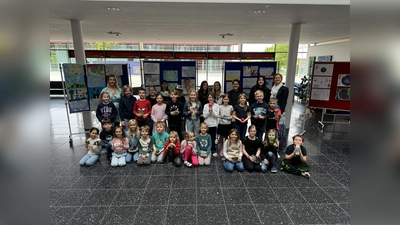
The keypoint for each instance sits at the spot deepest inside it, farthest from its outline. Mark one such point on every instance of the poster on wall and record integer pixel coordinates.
(325, 58)
(250, 71)
(95, 70)
(323, 69)
(171, 86)
(94, 97)
(343, 80)
(320, 94)
(114, 69)
(74, 81)
(188, 71)
(78, 106)
(267, 71)
(268, 83)
(152, 80)
(151, 68)
(76, 90)
(73, 69)
(228, 87)
(232, 75)
(322, 82)
(343, 94)
(170, 75)
(249, 82)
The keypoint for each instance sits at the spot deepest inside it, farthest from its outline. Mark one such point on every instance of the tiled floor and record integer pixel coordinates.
(163, 194)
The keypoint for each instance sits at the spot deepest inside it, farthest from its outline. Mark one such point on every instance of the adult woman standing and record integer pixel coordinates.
(115, 93)
(218, 92)
(260, 85)
(281, 93)
(202, 95)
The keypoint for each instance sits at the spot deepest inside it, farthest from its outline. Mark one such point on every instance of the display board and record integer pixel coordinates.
(247, 73)
(154, 72)
(85, 82)
(330, 86)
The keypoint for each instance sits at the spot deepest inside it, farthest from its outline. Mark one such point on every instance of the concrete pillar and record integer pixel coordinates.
(291, 67)
(77, 38)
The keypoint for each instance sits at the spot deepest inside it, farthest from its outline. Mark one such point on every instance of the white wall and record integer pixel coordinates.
(339, 51)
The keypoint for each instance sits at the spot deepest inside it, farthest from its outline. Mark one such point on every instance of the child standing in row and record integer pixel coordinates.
(225, 112)
(211, 118)
(252, 150)
(189, 150)
(158, 111)
(160, 138)
(146, 146)
(120, 144)
(172, 149)
(259, 113)
(273, 115)
(142, 109)
(192, 111)
(203, 143)
(126, 104)
(174, 110)
(232, 151)
(106, 136)
(269, 151)
(93, 145)
(241, 113)
(152, 97)
(296, 157)
(133, 135)
(106, 109)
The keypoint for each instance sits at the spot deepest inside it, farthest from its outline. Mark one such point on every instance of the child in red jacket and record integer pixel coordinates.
(142, 109)
(172, 149)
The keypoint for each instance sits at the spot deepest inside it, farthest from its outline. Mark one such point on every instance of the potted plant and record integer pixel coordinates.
(303, 88)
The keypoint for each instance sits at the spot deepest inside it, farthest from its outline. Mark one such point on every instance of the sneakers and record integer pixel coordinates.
(217, 140)
(306, 174)
(187, 164)
(215, 154)
(278, 155)
(274, 170)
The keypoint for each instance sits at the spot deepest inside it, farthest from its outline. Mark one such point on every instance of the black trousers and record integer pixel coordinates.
(250, 166)
(294, 169)
(178, 129)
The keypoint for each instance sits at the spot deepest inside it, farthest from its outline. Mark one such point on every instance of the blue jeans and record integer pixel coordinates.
(106, 148)
(89, 160)
(229, 165)
(260, 131)
(242, 129)
(130, 156)
(193, 125)
(271, 159)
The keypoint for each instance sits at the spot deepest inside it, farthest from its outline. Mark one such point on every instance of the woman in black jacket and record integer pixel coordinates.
(260, 85)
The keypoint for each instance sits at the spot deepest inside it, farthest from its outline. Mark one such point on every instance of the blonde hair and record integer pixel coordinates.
(229, 140)
(160, 123)
(116, 81)
(145, 128)
(217, 93)
(204, 124)
(190, 92)
(259, 92)
(173, 134)
(245, 97)
(276, 141)
(136, 132)
(273, 99)
(189, 134)
(126, 87)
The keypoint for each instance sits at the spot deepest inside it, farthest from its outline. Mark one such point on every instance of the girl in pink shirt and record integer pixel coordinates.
(158, 111)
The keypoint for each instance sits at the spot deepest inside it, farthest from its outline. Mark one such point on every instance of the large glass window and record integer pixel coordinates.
(158, 47)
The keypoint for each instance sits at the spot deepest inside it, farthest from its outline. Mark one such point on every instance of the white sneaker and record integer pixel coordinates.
(216, 140)
(306, 174)
(278, 155)
(215, 154)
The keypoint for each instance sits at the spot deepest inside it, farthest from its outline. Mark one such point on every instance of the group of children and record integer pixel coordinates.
(140, 143)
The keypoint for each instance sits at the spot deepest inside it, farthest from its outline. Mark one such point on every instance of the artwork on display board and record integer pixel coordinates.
(188, 71)
(325, 58)
(323, 69)
(192, 83)
(152, 80)
(94, 92)
(73, 69)
(96, 81)
(268, 83)
(321, 82)
(250, 71)
(247, 92)
(136, 70)
(95, 70)
(170, 75)
(77, 94)
(232, 75)
(343, 80)
(171, 86)
(267, 71)
(249, 82)
(151, 68)
(114, 69)
(343, 94)
(94, 103)
(78, 106)
(228, 87)
(320, 94)
(74, 81)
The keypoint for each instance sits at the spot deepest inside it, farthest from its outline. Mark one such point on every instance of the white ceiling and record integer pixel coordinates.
(167, 22)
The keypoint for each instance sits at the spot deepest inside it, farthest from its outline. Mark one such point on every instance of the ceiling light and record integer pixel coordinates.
(267, 6)
(259, 11)
(113, 9)
(145, 30)
(54, 28)
(234, 31)
(319, 32)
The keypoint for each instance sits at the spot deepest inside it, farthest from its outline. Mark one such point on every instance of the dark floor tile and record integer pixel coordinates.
(321, 159)
(151, 215)
(325, 181)
(342, 179)
(346, 208)
(184, 182)
(62, 215)
(55, 195)
(64, 182)
(181, 215)
(289, 195)
(128, 197)
(100, 198)
(302, 182)
(315, 195)
(183, 170)
(75, 170)
(255, 180)
(242, 215)
(89, 215)
(262, 196)
(231, 180)
(182, 196)
(85, 182)
(278, 181)
(162, 170)
(155, 196)
(97, 171)
(141, 170)
(160, 182)
(333, 169)
(206, 215)
(206, 170)
(120, 215)
(136, 182)
(118, 171)
(209, 196)
(112, 182)
(339, 195)
(317, 169)
(302, 214)
(208, 181)
(272, 214)
(236, 196)
(73, 198)
(331, 213)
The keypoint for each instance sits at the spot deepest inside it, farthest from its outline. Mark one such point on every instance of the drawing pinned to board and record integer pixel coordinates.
(78, 106)
(192, 83)
(94, 103)
(247, 92)
(151, 68)
(114, 69)
(228, 87)
(343, 94)
(323, 69)
(94, 92)
(73, 69)
(171, 86)
(77, 94)
(170, 75)
(233, 74)
(343, 80)
(322, 82)
(249, 82)
(152, 80)
(267, 71)
(96, 81)
(74, 81)
(268, 83)
(250, 71)
(188, 71)
(95, 70)
(320, 94)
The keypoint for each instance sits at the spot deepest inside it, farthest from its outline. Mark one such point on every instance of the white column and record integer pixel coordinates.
(291, 67)
(77, 38)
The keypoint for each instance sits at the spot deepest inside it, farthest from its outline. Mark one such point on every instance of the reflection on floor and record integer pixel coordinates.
(163, 194)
